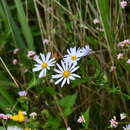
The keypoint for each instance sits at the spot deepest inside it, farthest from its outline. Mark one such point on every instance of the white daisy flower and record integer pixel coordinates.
(127, 127)
(86, 50)
(44, 64)
(13, 128)
(65, 73)
(73, 55)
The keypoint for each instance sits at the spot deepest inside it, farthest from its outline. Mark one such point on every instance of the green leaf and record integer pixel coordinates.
(24, 24)
(15, 30)
(86, 116)
(104, 11)
(68, 111)
(68, 101)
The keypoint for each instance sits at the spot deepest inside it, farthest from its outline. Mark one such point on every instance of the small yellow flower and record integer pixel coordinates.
(15, 117)
(19, 117)
(27, 129)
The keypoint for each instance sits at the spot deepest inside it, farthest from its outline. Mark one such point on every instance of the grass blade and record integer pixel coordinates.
(24, 25)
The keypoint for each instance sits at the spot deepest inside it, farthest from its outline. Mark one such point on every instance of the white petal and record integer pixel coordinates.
(75, 75)
(73, 70)
(58, 71)
(52, 60)
(36, 69)
(37, 65)
(37, 60)
(43, 57)
(71, 77)
(68, 81)
(60, 67)
(63, 65)
(56, 76)
(58, 81)
(48, 56)
(63, 82)
(42, 73)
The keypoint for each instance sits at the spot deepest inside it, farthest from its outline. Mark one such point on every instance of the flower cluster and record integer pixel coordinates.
(4, 116)
(123, 4)
(20, 117)
(123, 43)
(114, 123)
(65, 70)
(81, 119)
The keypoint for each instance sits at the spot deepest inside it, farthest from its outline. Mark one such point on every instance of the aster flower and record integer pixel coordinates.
(22, 93)
(96, 21)
(127, 127)
(15, 61)
(100, 29)
(45, 41)
(31, 54)
(3, 116)
(119, 56)
(123, 4)
(123, 43)
(44, 64)
(65, 73)
(68, 128)
(81, 119)
(123, 116)
(73, 55)
(33, 115)
(14, 128)
(128, 61)
(86, 50)
(15, 51)
(113, 122)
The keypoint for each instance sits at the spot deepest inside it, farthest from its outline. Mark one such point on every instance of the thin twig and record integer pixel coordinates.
(9, 72)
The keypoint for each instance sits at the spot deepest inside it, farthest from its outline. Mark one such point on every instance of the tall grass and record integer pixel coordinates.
(100, 93)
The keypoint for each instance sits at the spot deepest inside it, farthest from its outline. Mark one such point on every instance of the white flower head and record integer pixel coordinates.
(113, 122)
(73, 55)
(81, 119)
(65, 73)
(96, 21)
(68, 128)
(31, 54)
(33, 115)
(86, 50)
(123, 4)
(127, 127)
(15, 51)
(123, 116)
(13, 128)
(120, 56)
(44, 64)
(128, 61)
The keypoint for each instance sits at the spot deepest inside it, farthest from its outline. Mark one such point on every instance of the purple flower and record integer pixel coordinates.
(22, 93)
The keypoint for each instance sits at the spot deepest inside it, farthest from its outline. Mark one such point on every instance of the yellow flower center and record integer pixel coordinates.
(66, 74)
(44, 65)
(73, 58)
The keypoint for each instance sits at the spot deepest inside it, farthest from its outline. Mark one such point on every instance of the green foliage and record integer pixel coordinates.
(86, 116)
(98, 95)
(24, 24)
(67, 102)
